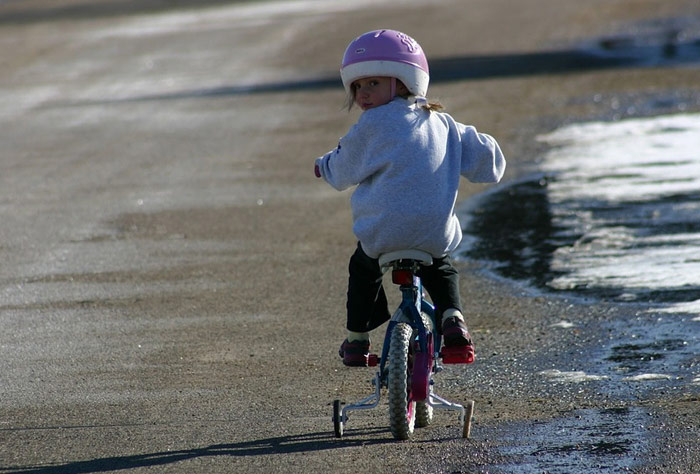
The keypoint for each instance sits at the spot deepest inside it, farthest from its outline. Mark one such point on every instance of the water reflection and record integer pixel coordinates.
(615, 214)
(515, 231)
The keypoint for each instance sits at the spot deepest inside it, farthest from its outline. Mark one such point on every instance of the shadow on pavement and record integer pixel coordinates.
(610, 53)
(279, 445)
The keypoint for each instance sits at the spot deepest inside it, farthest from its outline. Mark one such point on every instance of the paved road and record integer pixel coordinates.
(172, 276)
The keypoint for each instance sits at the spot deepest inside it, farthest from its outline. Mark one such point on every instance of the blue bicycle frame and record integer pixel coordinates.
(412, 298)
(406, 264)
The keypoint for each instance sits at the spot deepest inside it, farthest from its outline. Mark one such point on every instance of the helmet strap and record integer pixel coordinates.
(393, 88)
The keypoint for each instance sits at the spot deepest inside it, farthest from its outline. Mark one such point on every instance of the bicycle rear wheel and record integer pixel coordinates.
(402, 414)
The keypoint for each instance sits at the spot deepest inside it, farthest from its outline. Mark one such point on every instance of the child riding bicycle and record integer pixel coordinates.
(406, 158)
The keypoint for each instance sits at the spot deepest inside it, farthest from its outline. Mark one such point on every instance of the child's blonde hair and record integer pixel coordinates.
(430, 106)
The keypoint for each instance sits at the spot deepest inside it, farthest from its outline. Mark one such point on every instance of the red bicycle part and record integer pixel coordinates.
(422, 368)
(372, 360)
(457, 355)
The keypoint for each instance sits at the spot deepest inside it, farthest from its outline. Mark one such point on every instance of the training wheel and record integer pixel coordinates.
(468, 413)
(337, 419)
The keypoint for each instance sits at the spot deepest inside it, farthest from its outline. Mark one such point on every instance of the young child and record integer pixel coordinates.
(406, 158)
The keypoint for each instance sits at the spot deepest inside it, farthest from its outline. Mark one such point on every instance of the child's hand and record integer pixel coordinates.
(317, 170)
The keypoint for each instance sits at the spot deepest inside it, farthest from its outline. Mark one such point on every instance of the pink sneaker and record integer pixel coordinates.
(455, 333)
(458, 347)
(355, 353)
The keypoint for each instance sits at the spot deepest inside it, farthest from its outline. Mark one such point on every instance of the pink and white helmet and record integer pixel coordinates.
(386, 53)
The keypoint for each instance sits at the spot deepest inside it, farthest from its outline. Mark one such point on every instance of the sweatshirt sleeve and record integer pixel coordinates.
(348, 164)
(482, 159)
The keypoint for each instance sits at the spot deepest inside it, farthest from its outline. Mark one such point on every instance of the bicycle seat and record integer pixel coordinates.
(410, 254)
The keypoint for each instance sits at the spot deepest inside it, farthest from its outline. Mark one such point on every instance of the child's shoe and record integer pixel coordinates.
(355, 353)
(458, 347)
(455, 332)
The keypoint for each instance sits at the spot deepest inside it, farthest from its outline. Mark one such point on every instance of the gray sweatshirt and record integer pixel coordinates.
(406, 163)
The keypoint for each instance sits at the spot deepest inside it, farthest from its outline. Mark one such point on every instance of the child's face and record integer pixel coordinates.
(372, 92)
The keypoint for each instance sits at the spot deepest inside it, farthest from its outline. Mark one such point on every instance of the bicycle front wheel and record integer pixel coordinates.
(402, 414)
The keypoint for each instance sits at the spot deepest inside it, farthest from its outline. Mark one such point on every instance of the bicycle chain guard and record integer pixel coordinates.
(422, 369)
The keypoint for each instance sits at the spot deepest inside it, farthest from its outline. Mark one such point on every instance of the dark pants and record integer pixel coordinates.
(367, 303)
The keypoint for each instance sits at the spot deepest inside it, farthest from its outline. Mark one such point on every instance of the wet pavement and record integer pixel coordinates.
(671, 43)
(165, 246)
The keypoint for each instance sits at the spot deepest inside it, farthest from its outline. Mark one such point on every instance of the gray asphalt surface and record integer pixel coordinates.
(172, 276)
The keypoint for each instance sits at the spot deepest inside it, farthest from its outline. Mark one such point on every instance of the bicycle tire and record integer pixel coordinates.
(424, 414)
(337, 419)
(402, 414)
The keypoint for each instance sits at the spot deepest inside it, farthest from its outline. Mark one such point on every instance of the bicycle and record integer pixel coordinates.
(410, 356)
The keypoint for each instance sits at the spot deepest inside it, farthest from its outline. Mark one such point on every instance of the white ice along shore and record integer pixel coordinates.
(577, 376)
(630, 190)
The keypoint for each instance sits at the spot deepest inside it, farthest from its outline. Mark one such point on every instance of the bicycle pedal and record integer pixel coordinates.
(372, 360)
(457, 355)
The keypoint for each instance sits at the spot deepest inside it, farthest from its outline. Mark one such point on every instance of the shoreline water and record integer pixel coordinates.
(608, 196)
(576, 204)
